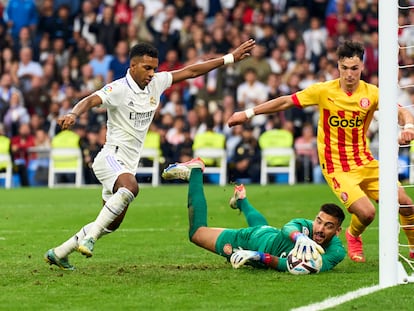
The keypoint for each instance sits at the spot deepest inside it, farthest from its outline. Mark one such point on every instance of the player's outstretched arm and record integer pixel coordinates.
(271, 106)
(241, 256)
(406, 119)
(69, 119)
(199, 69)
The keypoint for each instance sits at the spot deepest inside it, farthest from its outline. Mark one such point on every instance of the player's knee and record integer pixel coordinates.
(193, 236)
(368, 217)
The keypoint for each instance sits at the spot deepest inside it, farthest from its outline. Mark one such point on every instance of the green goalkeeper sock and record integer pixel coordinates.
(197, 205)
(253, 216)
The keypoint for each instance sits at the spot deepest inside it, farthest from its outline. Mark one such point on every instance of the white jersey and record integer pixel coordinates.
(130, 112)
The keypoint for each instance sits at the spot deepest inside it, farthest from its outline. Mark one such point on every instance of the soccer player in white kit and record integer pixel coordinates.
(131, 103)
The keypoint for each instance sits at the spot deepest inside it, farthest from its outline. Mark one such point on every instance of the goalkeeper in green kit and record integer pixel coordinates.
(311, 245)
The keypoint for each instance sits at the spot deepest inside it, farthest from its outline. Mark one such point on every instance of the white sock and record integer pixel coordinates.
(111, 210)
(69, 246)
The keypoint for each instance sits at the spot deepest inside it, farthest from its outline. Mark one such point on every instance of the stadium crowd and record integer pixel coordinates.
(55, 52)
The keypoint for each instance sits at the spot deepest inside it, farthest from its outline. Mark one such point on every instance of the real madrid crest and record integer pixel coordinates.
(153, 101)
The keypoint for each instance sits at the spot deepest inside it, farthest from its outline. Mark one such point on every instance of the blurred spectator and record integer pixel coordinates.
(174, 105)
(139, 23)
(63, 25)
(60, 53)
(83, 51)
(244, 166)
(306, 154)
(38, 167)
(107, 30)
(27, 69)
(268, 40)
(46, 22)
(366, 15)
(179, 139)
(172, 62)
(314, 39)
(73, 6)
(100, 61)
(74, 68)
(299, 20)
(340, 20)
(16, 114)
(44, 50)
(371, 56)
(90, 148)
(122, 12)
(257, 61)
(132, 35)
(83, 22)
(88, 83)
(220, 45)
(20, 144)
(167, 14)
(192, 123)
(56, 93)
(251, 93)
(19, 14)
(119, 63)
(51, 125)
(37, 99)
(151, 6)
(209, 138)
(8, 62)
(26, 39)
(6, 90)
(164, 40)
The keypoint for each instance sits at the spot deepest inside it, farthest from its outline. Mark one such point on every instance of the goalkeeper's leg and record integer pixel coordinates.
(197, 205)
(239, 201)
(252, 215)
(198, 232)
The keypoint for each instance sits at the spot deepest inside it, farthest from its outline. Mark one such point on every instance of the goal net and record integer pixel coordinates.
(395, 265)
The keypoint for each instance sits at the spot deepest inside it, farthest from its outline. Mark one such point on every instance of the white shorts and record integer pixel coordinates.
(107, 166)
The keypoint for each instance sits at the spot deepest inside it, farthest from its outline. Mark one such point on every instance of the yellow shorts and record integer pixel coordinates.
(353, 185)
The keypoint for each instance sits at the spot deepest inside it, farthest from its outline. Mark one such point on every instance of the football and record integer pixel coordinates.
(299, 266)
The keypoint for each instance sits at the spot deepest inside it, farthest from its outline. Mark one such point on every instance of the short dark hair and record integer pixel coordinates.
(350, 49)
(142, 49)
(333, 210)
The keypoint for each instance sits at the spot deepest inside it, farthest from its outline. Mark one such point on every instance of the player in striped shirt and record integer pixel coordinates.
(346, 108)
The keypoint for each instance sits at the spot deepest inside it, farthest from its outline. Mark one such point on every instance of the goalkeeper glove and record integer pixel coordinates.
(241, 256)
(305, 248)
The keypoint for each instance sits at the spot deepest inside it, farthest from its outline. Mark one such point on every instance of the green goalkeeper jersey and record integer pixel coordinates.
(277, 242)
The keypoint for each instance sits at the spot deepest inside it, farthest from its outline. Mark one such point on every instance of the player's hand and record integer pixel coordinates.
(406, 136)
(243, 50)
(306, 248)
(66, 121)
(237, 118)
(241, 256)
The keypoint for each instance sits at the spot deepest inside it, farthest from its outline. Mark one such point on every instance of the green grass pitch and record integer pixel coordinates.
(149, 264)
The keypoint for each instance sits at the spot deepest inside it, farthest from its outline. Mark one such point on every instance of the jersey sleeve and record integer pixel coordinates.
(334, 254)
(299, 224)
(308, 96)
(110, 94)
(164, 80)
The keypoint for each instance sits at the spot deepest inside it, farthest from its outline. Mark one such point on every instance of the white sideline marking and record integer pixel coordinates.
(335, 301)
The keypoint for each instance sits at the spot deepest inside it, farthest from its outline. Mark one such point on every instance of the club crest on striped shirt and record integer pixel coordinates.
(364, 103)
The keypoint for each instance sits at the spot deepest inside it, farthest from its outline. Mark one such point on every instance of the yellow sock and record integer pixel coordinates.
(409, 231)
(356, 227)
